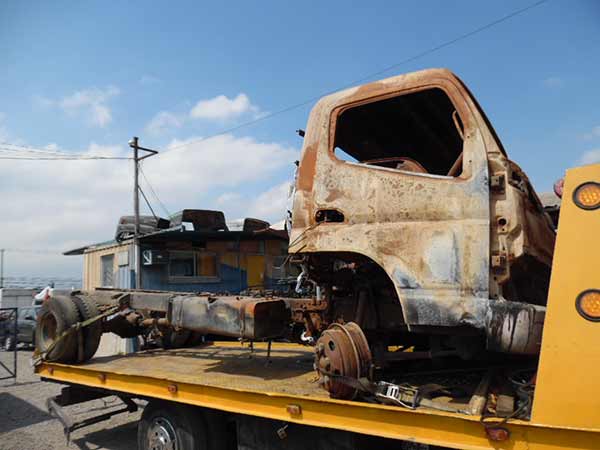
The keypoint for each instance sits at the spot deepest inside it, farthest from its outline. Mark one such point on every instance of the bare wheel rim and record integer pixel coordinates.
(161, 435)
(48, 329)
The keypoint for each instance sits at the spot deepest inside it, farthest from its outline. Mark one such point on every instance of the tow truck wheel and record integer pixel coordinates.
(168, 426)
(92, 332)
(56, 316)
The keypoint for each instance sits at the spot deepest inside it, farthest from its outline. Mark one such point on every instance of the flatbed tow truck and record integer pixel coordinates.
(268, 395)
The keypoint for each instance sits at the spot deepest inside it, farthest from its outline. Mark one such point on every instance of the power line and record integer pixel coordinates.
(27, 153)
(17, 158)
(162, 205)
(366, 77)
(7, 146)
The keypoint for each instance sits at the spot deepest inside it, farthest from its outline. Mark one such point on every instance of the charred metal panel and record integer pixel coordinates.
(515, 327)
(241, 317)
(449, 244)
(429, 233)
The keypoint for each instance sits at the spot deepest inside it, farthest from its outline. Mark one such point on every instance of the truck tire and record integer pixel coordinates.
(195, 339)
(56, 315)
(175, 339)
(92, 333)
(166, 425)
(10, 343)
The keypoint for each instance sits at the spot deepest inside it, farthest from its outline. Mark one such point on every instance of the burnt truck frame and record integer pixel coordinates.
(410, 222)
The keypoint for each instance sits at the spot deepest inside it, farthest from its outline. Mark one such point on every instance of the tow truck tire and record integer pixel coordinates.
(55, 316)
(165, 425)
(93, 332)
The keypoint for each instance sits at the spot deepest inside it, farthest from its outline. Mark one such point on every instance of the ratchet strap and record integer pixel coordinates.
(403, 394)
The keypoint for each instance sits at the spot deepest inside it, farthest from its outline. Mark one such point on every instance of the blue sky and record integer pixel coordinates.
(86, 76)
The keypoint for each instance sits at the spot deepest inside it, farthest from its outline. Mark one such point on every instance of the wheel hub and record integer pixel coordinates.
(342, 351)
(161, 435)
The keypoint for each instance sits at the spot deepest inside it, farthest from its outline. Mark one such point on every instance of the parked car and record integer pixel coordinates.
(148, 224)
(26, 318)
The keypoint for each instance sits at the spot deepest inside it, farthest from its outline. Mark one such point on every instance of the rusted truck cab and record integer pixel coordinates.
(410, 218)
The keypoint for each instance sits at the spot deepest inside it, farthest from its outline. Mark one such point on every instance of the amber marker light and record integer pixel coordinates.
(588, 304)
(587, 195)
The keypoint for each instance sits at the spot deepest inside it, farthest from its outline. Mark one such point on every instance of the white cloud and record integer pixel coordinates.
(553, 82)
(91, 102)
(590, 157)
(220, 163)
(163, 122)
(223, 108)
(270, 204)
(593, 133)
(58, 205)
(148, 80)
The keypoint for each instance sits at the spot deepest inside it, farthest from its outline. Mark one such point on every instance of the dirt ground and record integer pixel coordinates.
(26, 425)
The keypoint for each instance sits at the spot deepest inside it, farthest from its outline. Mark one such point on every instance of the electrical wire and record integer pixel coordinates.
(32, 153)
(17, 158)
(156, 197)
(366, 77)
(147, 202)
(7, 146)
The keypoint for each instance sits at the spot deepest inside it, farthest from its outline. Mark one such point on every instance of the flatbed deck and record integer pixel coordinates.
(229, 376)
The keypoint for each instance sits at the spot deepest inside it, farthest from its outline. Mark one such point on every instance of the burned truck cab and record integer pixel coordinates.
(411, 220)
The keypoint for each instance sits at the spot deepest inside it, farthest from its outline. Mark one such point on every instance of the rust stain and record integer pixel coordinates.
(307, 169)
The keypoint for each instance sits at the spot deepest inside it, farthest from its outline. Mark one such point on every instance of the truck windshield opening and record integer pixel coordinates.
(417, 132)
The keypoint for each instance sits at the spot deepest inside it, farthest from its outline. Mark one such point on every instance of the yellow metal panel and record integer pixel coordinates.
(428, 427)
(567, 392)
(255, 270)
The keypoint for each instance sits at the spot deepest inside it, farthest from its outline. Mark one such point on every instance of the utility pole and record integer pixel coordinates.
(133, 143)
(1, 267)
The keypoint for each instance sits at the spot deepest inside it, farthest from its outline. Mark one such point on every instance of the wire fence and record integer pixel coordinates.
(40, 282)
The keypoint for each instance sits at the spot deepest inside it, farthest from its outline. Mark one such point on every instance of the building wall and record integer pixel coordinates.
(254, 259)
(123, 266)
(234, 267)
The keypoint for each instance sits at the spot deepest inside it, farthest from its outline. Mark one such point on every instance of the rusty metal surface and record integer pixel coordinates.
(342, 350)
(515, 328)
(434, 236)
(241, 317)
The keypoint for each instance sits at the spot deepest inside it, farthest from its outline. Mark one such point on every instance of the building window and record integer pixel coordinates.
(193, 266)
(206, 264)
